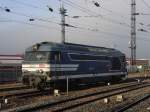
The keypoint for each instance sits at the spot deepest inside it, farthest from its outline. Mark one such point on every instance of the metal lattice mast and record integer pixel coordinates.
(133, 32)
(63, 14)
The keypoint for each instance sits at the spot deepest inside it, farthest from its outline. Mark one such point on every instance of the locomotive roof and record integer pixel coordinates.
(51, 46)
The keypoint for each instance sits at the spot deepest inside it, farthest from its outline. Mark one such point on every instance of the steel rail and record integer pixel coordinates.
(131, 104)
(98, 98)
(14, 88)
(49, 104)
(22, 94)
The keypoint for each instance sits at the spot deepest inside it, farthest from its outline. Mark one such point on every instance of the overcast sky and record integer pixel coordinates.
(107, 25)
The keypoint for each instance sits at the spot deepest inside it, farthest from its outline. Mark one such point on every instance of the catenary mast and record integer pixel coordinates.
(133, 32)
(63, 14)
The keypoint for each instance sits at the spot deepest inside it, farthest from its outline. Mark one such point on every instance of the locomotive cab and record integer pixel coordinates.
(36, 67)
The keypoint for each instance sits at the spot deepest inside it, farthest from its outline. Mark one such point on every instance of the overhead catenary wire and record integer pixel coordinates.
(109, 10)
(94, 30)
(146, 4)
(85, 10)
(25, 15)
(77, 27)
(110, 33)
(144, 14)
(40, 19)
(91, 29)
(33, 24)
(100, 31)
(46, 9)
(143, 24)
(93, 13)
(28, 5)
(33, 17)
(34, 6)
(37, 7)
(43, 20)
(96, 16)
(47, 27)
(53, 28)
(106, 19)
(113, 12)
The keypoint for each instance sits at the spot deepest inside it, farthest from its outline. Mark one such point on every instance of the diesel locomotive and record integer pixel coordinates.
(49, 63)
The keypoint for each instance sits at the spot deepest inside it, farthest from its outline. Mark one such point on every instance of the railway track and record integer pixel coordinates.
(14, 88)
(129, 103)
(24, 93)
(74, 102)
(19, 96)
(86, 100)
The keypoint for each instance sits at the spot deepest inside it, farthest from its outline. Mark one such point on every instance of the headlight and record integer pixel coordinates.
(40, 71)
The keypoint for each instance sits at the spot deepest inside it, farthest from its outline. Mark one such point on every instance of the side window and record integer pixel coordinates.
(116, 64)
(56, 56)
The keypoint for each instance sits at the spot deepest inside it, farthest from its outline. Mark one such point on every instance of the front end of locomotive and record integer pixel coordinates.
(36, 67)
(35, 74)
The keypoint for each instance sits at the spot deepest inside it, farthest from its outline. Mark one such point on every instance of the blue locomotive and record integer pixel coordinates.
(49, 63)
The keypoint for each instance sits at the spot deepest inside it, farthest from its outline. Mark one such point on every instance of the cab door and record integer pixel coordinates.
(57, 61)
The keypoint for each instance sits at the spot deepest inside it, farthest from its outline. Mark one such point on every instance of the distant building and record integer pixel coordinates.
(141, 65)
(11, 59)
(143, 62)
(10, 68)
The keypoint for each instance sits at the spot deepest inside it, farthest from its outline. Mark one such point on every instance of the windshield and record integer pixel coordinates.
(37, 56)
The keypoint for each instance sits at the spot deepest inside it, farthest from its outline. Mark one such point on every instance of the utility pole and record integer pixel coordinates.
(63, 14)
(133, 32)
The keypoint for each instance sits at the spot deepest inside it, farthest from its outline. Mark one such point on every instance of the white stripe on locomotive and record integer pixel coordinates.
(88, 75)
